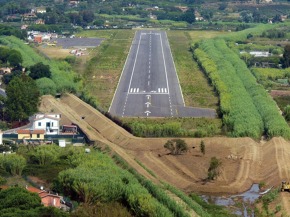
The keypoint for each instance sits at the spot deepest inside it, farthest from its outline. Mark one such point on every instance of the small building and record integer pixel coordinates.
(182, 8)
(38, 39)
(23, 27)
(30, 134)
(29, 16)
(5, 70)
(39, 21)
(260, 53)
(46, 38)
(47, 199)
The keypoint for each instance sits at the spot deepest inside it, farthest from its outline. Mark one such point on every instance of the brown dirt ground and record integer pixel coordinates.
(244, 160)
(54, 52)
(275, 93)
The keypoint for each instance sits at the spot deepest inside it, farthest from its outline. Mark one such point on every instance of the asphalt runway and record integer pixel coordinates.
(149, 86)
(78, 42)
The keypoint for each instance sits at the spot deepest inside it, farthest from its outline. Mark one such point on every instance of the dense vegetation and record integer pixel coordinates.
(244, 104)
(125, 14)
(94, 179)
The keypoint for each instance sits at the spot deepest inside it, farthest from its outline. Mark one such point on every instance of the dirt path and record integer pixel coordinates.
(244, 161)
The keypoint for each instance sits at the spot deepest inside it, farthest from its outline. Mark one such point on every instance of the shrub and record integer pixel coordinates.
(176, 146)
(214, 168)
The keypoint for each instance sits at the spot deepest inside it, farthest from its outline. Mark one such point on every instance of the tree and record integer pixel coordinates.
(22, 98)
(44, 155)
(4, 53)
(286, 56)
(46, 86)
(214, 168)
(188, 16)
(88, 16)
(12, 163)
(202, 147)
(15, 58)
(39, 70)
(20, 198)
(176, 146)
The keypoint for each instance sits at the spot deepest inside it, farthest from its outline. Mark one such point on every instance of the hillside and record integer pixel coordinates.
(244, 160)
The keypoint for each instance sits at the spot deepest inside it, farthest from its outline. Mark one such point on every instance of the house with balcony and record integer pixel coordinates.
(47, 122)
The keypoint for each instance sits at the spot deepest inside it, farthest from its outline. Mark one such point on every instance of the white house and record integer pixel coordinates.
(47, 122)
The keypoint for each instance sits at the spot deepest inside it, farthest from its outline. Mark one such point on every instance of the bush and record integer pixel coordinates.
(176, 146)
(214, 168)
(13, 163)
(46, 86)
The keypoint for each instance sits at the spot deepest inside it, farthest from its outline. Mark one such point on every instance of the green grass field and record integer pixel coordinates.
(103, 70)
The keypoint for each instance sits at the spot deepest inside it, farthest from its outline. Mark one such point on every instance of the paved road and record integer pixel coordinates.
(78, 42)
(149, 86)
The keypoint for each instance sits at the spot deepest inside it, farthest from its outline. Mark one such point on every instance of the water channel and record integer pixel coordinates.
(240, 204)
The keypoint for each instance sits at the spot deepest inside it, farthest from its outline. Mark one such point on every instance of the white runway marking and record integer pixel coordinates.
(148, 104)
(147, 112)
(134, 65)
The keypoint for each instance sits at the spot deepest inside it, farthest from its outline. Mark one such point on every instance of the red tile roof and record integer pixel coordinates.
(3, 187)
(27, 131)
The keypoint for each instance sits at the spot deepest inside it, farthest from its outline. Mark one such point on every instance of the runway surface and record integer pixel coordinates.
(149, 86)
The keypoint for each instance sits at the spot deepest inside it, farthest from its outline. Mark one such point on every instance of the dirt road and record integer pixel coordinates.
(244, 161)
